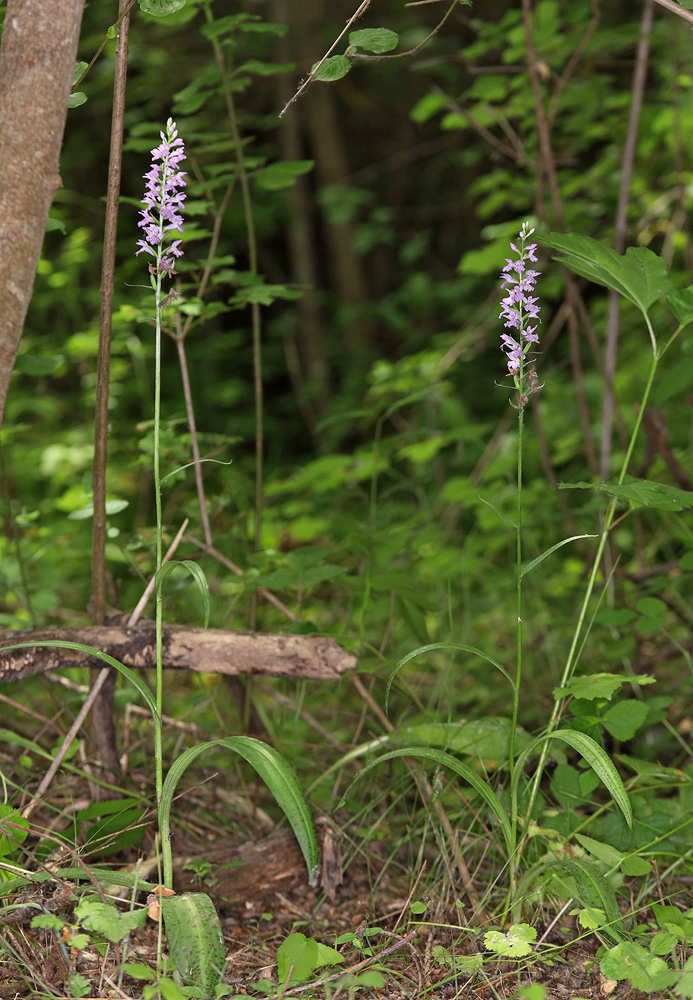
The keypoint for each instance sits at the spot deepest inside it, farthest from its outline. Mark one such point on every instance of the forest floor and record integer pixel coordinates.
(260, 889)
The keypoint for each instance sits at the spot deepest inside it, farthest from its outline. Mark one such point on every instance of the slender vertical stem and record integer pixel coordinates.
(572, 658)
(158, 749)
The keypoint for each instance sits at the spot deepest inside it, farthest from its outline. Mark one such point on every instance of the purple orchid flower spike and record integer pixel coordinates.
(520, 310)
(164, 199)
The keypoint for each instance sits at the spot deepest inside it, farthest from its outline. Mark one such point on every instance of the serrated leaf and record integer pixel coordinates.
(331, 69)
(640, 493)
(515, 944)
(639, 274)
(161, 8)
(587, 687)
(646, 972)
(374, 39)
(195, 939)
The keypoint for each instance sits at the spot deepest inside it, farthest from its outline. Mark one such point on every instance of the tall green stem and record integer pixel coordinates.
(518, 668)
(572, 659)
(158, 750)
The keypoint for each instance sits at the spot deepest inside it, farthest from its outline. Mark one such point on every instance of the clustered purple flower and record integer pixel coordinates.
(164, 200)
(519, 307)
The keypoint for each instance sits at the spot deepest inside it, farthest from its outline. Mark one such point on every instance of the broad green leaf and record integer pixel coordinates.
(297, 959)
(282, 174)
(587, 687)
(195, 939)
(161, 8)
(77, 99)
(331, 69)
(592, 888)
(453, 764)
(630, 961)
(442, 645)
(276, 774)
(640, 493)
(605, 852)
(593, 754)
(79, 69)
(198, 575)
(590, 686)
(639, 275)
(104, 919)
(515, 944)
(681, 304)
(636, 866)
(623, 719)
(374, 39)
(536, 562)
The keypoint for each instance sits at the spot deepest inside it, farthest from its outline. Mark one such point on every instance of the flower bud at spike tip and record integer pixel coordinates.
(520, 310)
(164, 199)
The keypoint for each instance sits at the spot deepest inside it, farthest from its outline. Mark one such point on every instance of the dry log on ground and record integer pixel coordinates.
(212, 651)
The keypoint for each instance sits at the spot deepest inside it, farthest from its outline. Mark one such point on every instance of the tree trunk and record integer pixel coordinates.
(37, 57)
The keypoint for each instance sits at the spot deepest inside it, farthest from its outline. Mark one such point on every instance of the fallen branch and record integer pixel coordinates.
(209, 651)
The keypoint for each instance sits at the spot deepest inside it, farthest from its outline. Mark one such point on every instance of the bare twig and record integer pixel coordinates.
(354, 17)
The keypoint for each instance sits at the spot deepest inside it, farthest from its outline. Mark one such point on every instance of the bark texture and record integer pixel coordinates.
(37, 57)
(211, 651)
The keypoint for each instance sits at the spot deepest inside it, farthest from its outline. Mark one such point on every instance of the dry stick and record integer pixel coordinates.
(627, 161)
(426, 792)
(103, 725)
(354, 17)
(676, 8)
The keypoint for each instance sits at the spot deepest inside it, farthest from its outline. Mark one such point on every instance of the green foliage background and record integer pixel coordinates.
(386, 409)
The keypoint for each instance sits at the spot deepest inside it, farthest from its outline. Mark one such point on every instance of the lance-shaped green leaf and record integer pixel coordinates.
(453, 764)
(639, 274)
(536, 562)
(276, 774)
(442, 645)
(195, 940)
(198, 575)
(593, 754)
